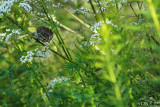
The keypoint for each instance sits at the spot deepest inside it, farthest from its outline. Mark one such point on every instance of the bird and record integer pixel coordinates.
(43, 34)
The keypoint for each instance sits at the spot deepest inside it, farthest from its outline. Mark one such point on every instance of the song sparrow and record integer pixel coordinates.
(43, 34)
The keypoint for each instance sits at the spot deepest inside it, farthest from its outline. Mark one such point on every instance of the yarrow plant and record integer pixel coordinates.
(2, 35)
(98, 25)
(14, 32)
(5, 6)
(103, 53)
(82, 10)
(29, 57)
(44, 53)
(26, 6)
(53, 82)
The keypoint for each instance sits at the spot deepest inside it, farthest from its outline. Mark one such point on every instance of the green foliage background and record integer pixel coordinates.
(121, 69)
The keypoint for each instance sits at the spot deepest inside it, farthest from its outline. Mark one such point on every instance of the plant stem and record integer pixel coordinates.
(57, 32)
(133, 10)
(154, 16)
(78, 19)
(94, 10)
(100, 8)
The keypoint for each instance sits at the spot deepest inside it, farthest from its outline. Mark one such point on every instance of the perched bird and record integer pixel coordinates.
(43, 34)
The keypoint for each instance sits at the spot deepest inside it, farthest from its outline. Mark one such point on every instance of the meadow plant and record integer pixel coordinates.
(103, 53)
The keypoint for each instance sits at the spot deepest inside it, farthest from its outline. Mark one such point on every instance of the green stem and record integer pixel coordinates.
(154, 16)
(100, 8)
(94, 10)
(117, 6)
(81, 77)
(57, 33)
(40, 83)
(133, 10)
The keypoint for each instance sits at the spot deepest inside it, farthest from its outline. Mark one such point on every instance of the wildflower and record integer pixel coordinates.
(10, 34)
(7, 30)
(23, 59)
(53, 82)
(59, 80)
(2, 35)
(7, 38)
(16, 31)
(26, 6)
(44, 53)
(96, 26)
(30, 53)
(28, 57)
(99, 24)
(5, 6)
(58, 5)
(95, 39)
(82, 10)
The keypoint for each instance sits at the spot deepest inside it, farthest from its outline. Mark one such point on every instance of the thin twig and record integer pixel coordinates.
(100, 8)
(133, 10)
(68, 29)
(74, 16)
(94, 10)
(139, 5)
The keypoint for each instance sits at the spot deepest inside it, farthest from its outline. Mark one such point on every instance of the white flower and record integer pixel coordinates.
(36, 49)
(28, 57)
(86, 43)
(23, 59)
(16, 31)
(30, 53)
(2, 35)
(7, 30)
(53, 82)
(5, 6)
(10, 34)
(7, 38)
(109, 22)
(44, 53)
(82, 10)
(26, 6)
(58, 5)
(96, 26)
(99, 24)
(39, 53)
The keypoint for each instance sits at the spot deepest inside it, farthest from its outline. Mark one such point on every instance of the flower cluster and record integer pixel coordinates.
(28, 57)
(44, 53)
(82, 10)
(26, 6)
(12, 33)
(99, 24)
(96, 26)
(95, 39)
(5, 6)
(2, 35)
(58, 5)
(101, 2)
(53, 82)
(59, 80)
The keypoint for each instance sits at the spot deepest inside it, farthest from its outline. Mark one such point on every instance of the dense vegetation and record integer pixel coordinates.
(104, 53)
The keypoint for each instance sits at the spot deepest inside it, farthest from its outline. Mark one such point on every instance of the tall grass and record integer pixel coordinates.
(104, 53)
